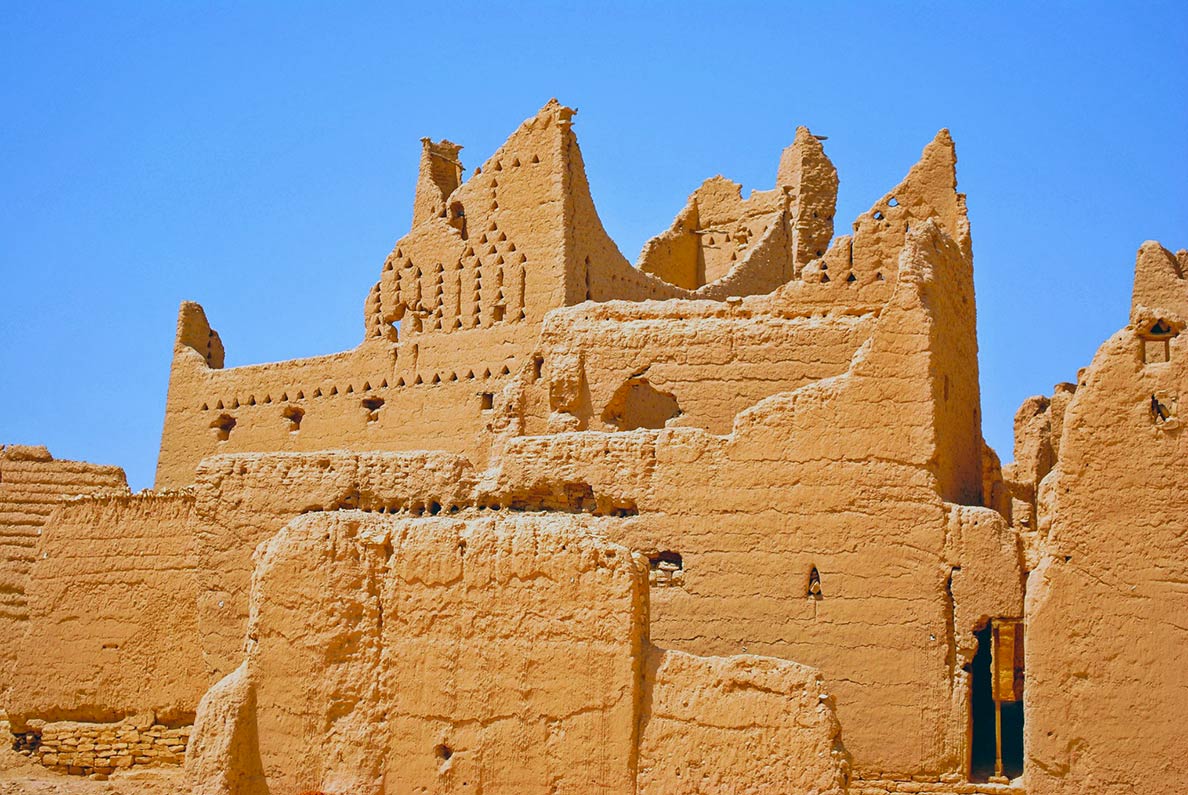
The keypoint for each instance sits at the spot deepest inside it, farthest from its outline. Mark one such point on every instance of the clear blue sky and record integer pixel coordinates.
(260, 158)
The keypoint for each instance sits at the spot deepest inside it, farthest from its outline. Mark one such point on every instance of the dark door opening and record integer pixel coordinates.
(981, 703)
(985, 734)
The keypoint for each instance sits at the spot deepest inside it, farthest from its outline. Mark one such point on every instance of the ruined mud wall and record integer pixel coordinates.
(32, 484)
(112, 628)
(501, 652)
(459, 304)
(243, 500)
(498, 654)
(1106, 693)
(710, 723)
(712, 360)
(838, 483)
(716, 235)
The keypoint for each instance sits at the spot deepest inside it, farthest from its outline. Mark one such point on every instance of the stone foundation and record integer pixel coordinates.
(83, 749)
(922, 785)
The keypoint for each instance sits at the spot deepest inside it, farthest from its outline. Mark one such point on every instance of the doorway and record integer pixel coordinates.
(996, 724)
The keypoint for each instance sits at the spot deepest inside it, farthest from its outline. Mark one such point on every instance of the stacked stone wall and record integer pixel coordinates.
(85, 749)
(925, 785)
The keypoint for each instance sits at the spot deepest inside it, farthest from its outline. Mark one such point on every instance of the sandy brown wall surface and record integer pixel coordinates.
(32, 484)
(1107, 692)
(113, 625)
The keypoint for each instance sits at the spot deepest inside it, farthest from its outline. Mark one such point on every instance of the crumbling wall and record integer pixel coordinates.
(498, 654)
(714, 359)
(818, 530)
(242, 500)
(456, 312)
(494, 652)
(711, 247)
(32, 484)
(823, 508)
(746, 708)
(1039, 425)
(113, 629)
(1106, 694)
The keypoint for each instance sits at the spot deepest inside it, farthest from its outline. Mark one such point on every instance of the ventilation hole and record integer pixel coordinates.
(535, 159)
(497, 313)
(665, 569)
(1161, 327)
(294, 415)
(487, 401)
(824, 278)
(537, 369)
(372, 405)
(443, 752)
(878, 216)
(222, 427)
(893, 202)
(851, 278)
(505, 370)
(814, 584)
(667, 557)
(878, 277)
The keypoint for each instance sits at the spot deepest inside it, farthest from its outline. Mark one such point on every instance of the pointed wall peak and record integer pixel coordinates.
(1160, 284)
(194, 331)
(928, 191)
(440, 175)
(808, 179)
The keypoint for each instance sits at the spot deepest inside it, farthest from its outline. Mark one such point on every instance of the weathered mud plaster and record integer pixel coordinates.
(1106, 691)
(32, 485)
(492, 653)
